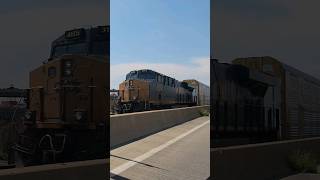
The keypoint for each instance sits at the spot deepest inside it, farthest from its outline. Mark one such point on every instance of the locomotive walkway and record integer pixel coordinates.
(180, 152)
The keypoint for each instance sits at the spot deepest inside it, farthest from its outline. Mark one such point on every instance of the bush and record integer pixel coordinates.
(303, 161)
(204, 113)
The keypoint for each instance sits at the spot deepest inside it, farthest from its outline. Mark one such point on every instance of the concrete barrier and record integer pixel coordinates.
(125, 128)
(82, 170)
(258, 161)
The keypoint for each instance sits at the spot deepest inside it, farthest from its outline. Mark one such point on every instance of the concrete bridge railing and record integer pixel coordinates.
(125, 128)
(82, 170)
(259, 161)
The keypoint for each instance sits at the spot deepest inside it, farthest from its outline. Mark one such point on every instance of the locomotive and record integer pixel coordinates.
(67, 115)
(146, 90)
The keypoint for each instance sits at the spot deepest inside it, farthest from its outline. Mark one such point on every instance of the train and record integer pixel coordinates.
(299, 96)
(66, 118)
(201, 94)
(242, 101)
(147, 90)
(263, 99)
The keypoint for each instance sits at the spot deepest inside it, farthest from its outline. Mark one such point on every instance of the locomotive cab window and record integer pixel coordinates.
(147, 75)
(52, 72)
(80, 48)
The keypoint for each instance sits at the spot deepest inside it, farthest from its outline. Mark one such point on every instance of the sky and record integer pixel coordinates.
(29, 27)
(284, 29)
(170, 37)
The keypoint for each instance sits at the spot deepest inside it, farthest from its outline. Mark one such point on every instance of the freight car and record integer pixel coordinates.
(244, 103)
(67, 105)
(300, 97)
(146, 89)
(202, 92)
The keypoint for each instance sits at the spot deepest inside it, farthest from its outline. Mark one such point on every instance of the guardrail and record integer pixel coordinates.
(258, 161)
(125, 128)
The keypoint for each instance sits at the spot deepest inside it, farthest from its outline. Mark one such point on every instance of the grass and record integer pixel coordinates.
(204, 112)
(303, 161)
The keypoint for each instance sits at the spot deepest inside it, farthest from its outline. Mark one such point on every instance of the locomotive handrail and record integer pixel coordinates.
(52, 149)
(51, 142)
(23, 149)
(63, 143)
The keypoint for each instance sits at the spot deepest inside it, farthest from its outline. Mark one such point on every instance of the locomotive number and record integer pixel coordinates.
(73, 34)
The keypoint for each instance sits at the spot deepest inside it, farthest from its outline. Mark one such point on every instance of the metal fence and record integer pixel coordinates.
(11, 114)
(9, 118)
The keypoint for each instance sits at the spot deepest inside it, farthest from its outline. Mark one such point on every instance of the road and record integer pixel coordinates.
(303, 176)
(180, 152)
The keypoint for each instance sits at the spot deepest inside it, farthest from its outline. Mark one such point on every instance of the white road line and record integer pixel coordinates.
(118, 170)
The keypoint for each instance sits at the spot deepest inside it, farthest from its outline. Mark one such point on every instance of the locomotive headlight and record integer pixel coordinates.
(67, 72)
(67, 64)
(67, 69)
(28, 115)
(79, 115)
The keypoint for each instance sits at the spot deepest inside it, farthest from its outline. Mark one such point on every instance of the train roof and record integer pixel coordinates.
(151, 71)
(286, 67)
(240, 72)
(195, 82)
(297, 72)
(82, 41)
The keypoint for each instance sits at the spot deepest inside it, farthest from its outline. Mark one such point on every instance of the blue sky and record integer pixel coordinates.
(158, 32)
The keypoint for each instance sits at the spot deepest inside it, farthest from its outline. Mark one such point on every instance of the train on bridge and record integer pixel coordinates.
(263, 99)
(147, 90)
(66, 118)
